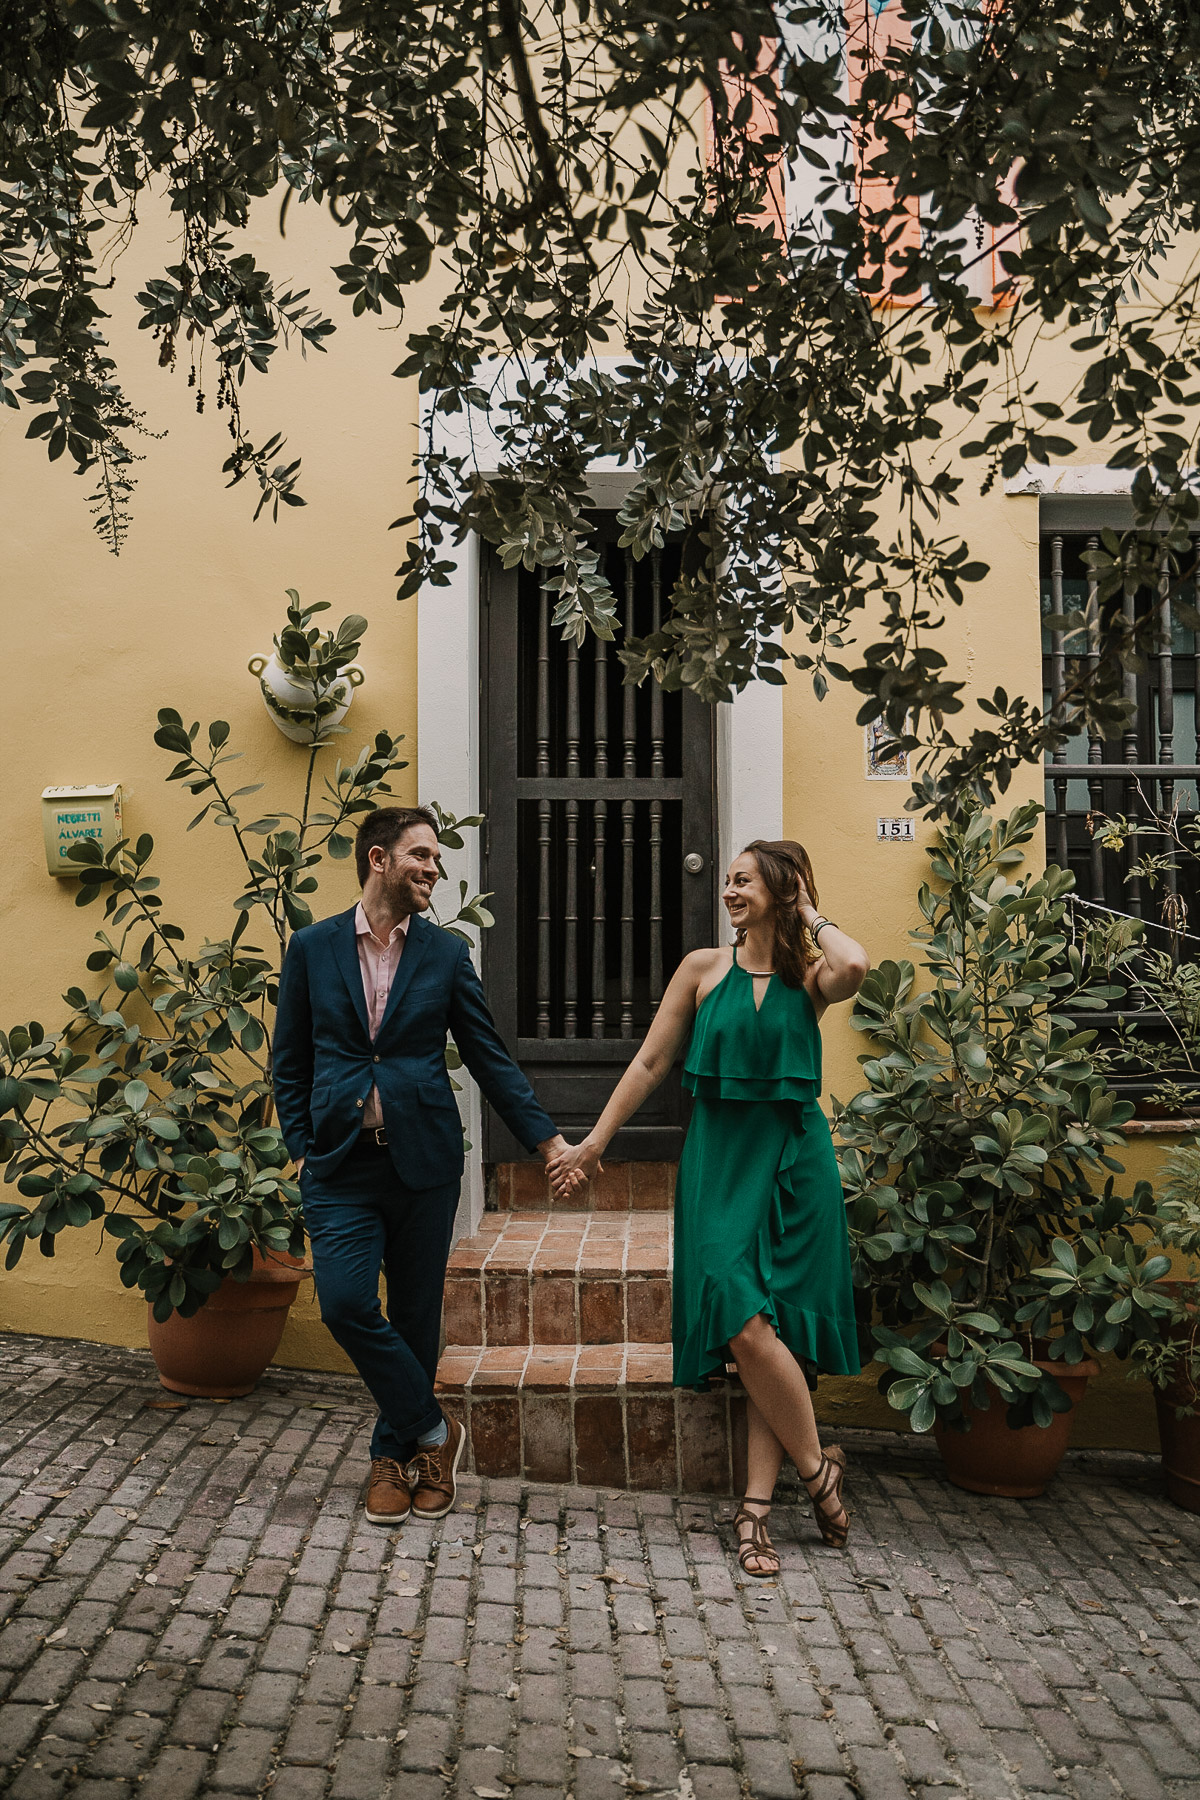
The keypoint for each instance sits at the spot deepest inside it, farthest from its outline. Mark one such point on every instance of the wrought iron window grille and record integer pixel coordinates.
(1148, 776)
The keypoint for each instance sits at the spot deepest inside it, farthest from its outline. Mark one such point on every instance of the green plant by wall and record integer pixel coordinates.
(1163, 1341)
(972, 1157)
(150, 1107)
(1159, 1033)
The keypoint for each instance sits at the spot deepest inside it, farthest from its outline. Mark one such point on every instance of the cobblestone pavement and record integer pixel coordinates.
(193, 1604)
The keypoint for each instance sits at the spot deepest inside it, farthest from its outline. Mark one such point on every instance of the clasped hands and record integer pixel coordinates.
(570, 1166)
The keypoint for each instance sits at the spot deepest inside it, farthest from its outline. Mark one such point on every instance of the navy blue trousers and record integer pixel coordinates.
(361, 1219)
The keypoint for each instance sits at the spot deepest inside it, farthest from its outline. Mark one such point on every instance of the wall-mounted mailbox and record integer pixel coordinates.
(72, 813)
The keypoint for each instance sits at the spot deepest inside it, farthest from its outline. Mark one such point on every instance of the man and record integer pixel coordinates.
(366, 1108)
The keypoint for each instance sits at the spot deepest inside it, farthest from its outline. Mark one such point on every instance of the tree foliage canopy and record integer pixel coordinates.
(595, 189)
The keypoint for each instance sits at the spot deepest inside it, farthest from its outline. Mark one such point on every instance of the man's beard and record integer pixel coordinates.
(404, 896)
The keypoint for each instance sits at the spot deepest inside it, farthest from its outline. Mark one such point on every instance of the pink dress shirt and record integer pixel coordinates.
(378, 962)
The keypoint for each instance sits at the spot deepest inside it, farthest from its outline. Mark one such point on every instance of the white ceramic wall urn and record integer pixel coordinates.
(303, 709)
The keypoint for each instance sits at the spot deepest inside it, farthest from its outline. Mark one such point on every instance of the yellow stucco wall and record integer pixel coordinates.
(95, 644)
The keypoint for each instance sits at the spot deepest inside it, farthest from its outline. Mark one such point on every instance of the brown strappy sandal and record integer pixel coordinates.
(831, 1473)
(756, 1544)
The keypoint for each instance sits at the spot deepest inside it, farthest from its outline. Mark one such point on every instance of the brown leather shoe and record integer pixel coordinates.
(434, 1474)
(388, 1498)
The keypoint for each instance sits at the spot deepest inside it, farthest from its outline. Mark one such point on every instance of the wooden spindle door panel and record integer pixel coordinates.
(595, 792)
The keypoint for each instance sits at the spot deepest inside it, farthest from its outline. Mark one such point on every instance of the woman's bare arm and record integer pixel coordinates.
(843, 962)
(842, 967)
(649, 1066)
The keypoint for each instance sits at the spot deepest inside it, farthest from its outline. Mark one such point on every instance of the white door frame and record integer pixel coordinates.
(749, 741)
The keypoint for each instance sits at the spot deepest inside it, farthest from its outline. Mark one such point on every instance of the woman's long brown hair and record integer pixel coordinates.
(783, 864)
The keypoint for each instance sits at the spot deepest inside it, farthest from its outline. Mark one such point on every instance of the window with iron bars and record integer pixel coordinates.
(1149, 776)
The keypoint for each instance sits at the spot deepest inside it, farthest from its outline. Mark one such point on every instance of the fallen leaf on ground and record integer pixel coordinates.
(342, 1649)
(99, 1706)
(487, 1793)
(55, 1635)
(624, 1580)
(166, 1405)
(578, 1750)
(932, 1724)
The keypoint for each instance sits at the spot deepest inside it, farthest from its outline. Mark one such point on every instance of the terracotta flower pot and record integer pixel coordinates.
(991, 1458)
(222, 1350)
(1180, 1438)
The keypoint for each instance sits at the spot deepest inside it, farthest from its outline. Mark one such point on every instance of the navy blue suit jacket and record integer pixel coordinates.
(325, 1064)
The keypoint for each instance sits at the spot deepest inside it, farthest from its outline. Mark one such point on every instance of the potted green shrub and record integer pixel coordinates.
(149, 1108)
(975, 1147)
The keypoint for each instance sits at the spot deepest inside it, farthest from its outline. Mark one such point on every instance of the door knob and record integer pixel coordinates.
(693, 862)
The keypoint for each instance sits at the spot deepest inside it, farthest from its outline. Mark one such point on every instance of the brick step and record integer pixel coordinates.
(602, 1415)
(623, 1187)
(561, 1278)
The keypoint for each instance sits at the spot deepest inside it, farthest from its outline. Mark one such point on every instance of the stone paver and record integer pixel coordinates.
(191, 1603)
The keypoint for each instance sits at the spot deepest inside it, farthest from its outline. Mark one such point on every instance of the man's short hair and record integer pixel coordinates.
(385, 827)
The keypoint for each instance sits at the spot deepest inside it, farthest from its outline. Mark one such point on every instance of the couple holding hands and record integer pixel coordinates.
(762, 1270)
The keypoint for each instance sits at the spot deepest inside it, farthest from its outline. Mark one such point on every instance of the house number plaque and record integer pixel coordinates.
(896, 831)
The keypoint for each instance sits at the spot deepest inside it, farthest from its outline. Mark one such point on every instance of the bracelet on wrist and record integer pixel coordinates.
(816, 930)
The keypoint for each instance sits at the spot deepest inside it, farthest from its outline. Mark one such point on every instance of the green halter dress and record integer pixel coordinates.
(760, 1223)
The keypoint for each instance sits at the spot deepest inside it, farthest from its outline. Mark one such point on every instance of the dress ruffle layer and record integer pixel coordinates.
(785, 1064)
(803, 1090)
(826, 1339)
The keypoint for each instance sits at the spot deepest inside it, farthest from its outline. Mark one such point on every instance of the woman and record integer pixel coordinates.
(762, 1265)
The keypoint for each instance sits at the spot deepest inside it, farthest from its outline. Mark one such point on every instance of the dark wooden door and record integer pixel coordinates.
(599, 847)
